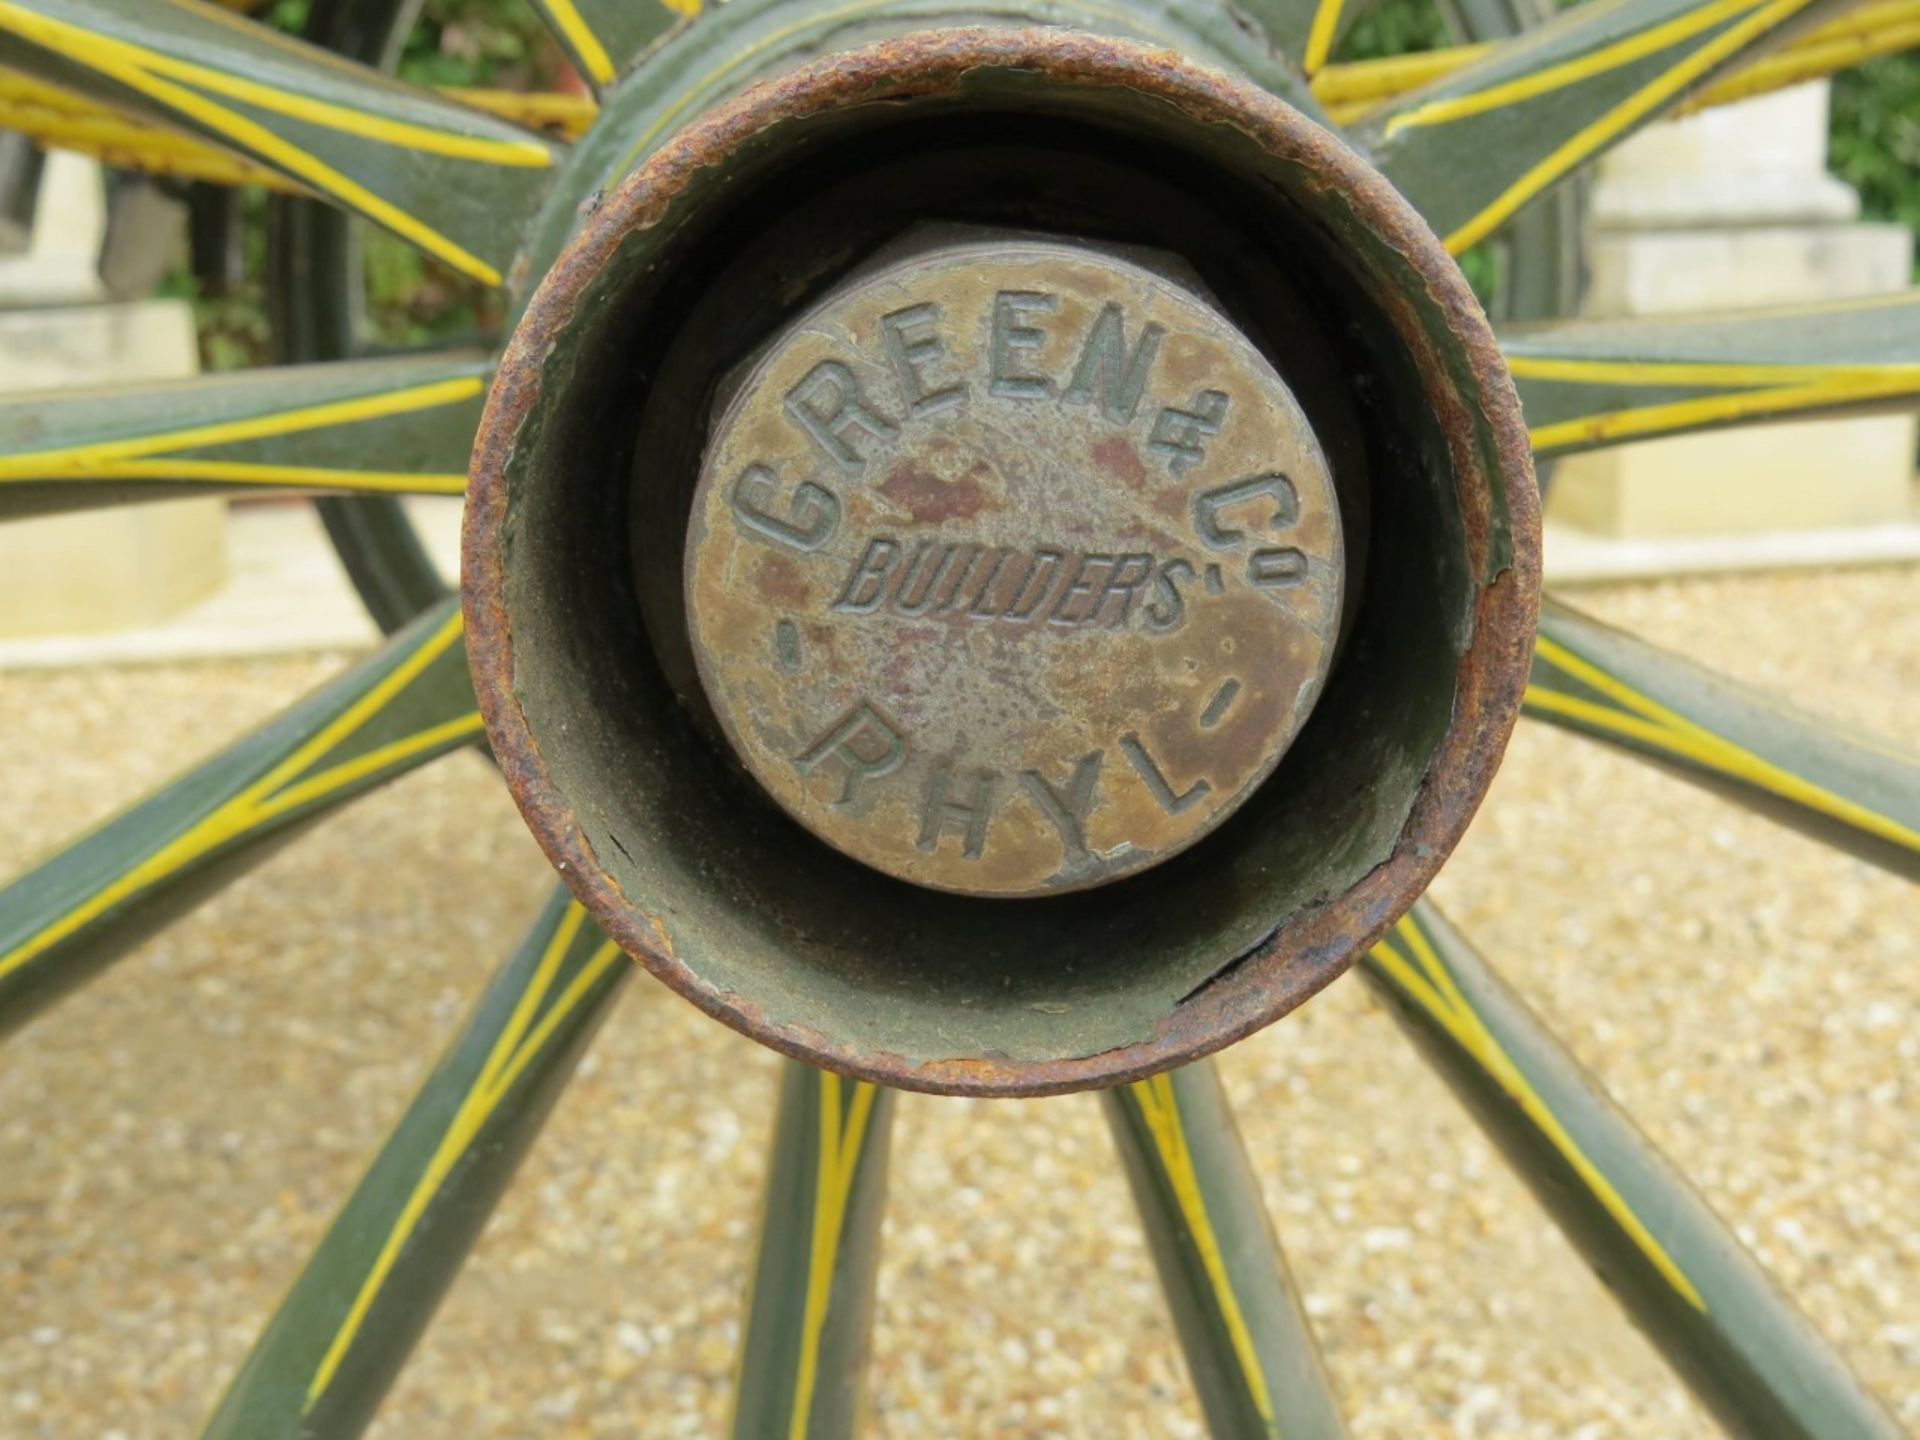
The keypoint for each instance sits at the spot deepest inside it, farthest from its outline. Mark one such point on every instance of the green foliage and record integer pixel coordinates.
(232, 324)
(1396, 27)
(1875, 145)
(476, 42)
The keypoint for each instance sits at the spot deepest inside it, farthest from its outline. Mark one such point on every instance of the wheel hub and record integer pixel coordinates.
(894, 641)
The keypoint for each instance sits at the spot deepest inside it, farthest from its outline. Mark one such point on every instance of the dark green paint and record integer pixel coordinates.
(1849, 768)
(1746, 1352)
(625, 29)
(430, 440)
(438, 696)
(1862, 336)
(1300, 1403)
(1287, 23)
(776, 1332)
(272, 1397)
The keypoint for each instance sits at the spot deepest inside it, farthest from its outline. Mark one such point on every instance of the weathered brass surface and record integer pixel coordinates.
(1013, 567)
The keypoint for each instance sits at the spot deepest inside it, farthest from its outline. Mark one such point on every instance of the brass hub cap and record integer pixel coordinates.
(1013, 568)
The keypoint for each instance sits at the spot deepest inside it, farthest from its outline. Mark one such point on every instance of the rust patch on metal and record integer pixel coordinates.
(929, 499)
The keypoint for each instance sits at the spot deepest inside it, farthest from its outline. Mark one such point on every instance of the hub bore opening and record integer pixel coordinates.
(588, 478)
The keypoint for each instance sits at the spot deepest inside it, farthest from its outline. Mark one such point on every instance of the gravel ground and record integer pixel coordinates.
(172, 1143)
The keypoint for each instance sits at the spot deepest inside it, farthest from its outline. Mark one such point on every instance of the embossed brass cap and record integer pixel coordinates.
(1014, 568)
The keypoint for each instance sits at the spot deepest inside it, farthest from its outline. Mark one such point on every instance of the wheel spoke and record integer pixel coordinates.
(1247, 1342)
(455, 181)
(65, 120)
(1859, 34)
(369, 426)
(549, 111)
(1588, 385)
(342, 1334)
(1353, 89)
(604, 36)
(1305, 29)
(64, 921)
(1854, 791)
(1472, 148)
(803, 1349)
(1683, 1278)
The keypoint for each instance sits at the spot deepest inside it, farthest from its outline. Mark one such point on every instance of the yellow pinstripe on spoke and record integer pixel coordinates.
(1641, 104)
(1810, 58)
(1697, 372)
(65, 120)
(1654, 724)
(62, 120)
(1840, 388)
(1160, 1108)
(1774, 388)
(519, 1043)
(165, 79)
(1436, 992)
(1352, 89)
(307, 477)
(328, 114)
(580, 39)
(585, 45)
(570, 115)
(338, 776)
(133, 458)
(1320, 34)
(1570, 72)
(403, 134)
(839, 1159)
(271, 795)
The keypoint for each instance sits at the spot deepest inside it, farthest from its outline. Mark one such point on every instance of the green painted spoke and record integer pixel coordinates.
(1683, 1278)
(342, 1334)
(1475, 146)
(1307, 30)
(603, 37)
(459, 183)
(365, 426)
(803, 1350)
(1247, 1342)
(1590, 384)
(64, 921)
(1851, 790)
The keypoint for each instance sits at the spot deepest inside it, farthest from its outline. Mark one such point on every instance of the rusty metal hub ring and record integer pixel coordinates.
(584, 476)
